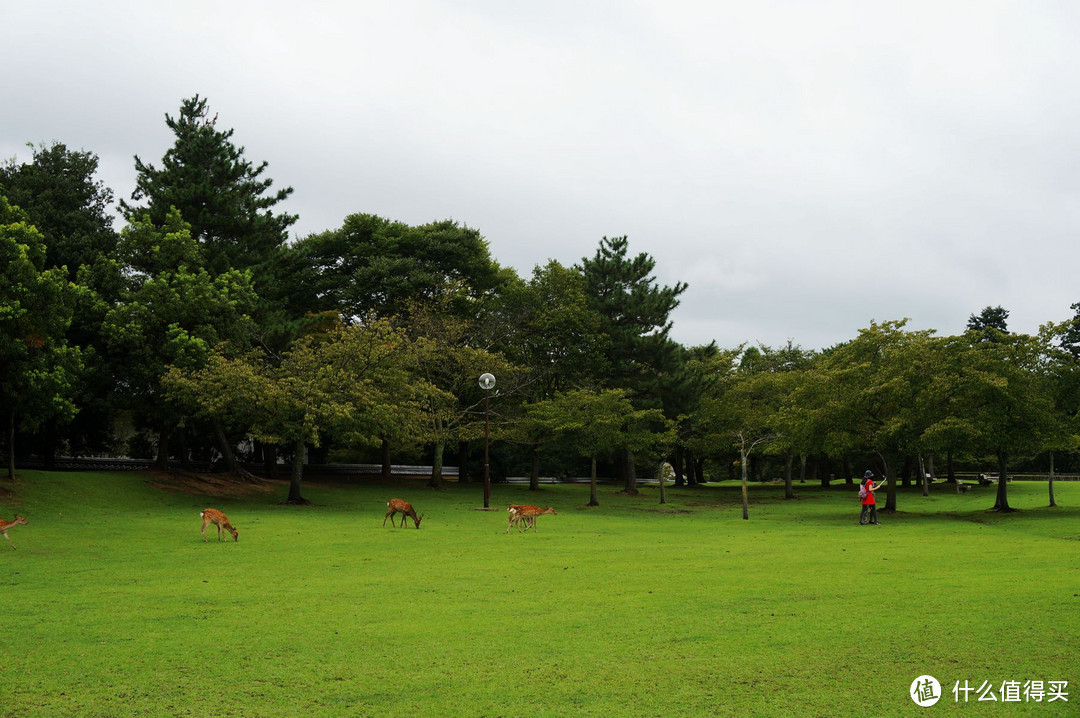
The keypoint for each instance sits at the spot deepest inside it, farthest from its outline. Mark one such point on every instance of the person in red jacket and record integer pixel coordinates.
(868, 502)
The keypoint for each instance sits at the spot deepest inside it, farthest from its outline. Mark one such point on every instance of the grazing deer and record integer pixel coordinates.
(5, 525)
(398, 506)
(213, 516)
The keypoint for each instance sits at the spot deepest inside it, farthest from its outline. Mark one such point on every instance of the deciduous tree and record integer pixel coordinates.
(63, 199)
(37, 367)
(596, 423)
(171, 312)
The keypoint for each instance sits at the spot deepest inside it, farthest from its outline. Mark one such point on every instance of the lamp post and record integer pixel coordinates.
(487, 383)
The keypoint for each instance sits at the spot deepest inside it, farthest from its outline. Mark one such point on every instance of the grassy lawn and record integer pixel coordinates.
(113, 605)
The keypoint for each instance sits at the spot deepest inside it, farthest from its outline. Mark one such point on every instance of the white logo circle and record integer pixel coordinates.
(925, 690)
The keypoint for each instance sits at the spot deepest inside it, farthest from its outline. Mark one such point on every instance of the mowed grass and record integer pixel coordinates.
(113, 605)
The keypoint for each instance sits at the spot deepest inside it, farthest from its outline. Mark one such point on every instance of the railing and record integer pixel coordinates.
(68, 463)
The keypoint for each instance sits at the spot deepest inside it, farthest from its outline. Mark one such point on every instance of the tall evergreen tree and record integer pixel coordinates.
(229, 205)
(226, 201)
(989, 324)
(635, 312)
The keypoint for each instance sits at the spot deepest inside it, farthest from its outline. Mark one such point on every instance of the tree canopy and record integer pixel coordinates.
(199, 321)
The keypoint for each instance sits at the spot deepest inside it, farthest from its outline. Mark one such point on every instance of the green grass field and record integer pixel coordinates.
(113, 605)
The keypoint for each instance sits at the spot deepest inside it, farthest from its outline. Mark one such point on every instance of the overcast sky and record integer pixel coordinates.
(806, 167)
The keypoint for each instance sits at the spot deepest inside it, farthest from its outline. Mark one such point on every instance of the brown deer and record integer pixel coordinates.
(399, 506)
(513, 513)
(530, 514)
(526, 513)
(213, 516)
(5, 525)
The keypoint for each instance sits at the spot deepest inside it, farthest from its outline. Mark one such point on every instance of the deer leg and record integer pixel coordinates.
(204, 531)
(8, 538)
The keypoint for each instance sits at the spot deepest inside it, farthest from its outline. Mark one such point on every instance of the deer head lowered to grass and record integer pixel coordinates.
(399, 506)
(213, 516)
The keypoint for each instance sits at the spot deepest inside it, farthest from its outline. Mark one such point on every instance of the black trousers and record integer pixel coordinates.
(873, 513)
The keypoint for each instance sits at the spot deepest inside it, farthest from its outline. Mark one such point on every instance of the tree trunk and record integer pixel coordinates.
(1002, 503)
(628, 473)
(789, 490)
(436, 466)
(922, 476)
(180, 441)
(1052, 479)
(535, 466)
(463, 462)
(677, 464)
(802, 468)
(890, 484)
(48, 451)
(162, 461)
(593, 501)
(297, 474)
(225, 446)
(269, 453)
(950, 472)
(699, 470)
(745, 496)
(11, 445)
(386, 465)
(691, 479)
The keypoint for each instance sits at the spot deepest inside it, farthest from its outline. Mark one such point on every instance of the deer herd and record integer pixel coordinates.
(522, 516)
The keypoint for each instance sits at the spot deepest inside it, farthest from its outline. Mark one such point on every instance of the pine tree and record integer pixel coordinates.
(636, 316)
(220, 194)
(635, 313)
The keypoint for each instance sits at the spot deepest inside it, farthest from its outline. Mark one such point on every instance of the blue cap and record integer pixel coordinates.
(868, 475)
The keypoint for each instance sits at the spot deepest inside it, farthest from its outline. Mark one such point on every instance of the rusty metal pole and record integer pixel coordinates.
(487, 470)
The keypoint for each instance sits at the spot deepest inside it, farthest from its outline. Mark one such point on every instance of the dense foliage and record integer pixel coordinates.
(199, 332)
